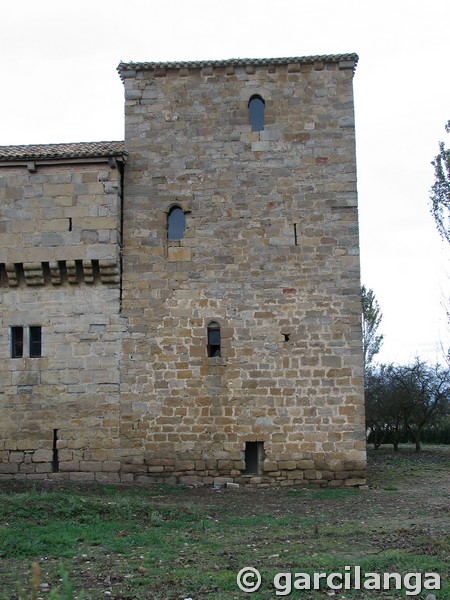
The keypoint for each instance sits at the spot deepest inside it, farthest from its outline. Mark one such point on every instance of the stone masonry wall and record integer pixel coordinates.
(270, 252)
(125, 389)
(60, 270)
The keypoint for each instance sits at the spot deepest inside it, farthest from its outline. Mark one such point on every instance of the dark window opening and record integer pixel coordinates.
(35, 341)
(70, 223)
(16, 342)
(176, 224)
(256, 107)
(55, 459)
(295, 234)
(287, 337)
(213, 339)
(254, 457)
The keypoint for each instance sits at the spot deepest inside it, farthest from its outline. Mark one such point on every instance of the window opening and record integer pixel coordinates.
(55, 458)
(287, 337)
(295, 234)
(16, 342)
(213, 339)
(70, 223)
(35, 341)
(256, 107)
(254, 457)
(176, 224)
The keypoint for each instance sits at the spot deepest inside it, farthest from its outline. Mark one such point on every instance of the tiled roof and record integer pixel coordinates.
(58, 151)
(236, 62)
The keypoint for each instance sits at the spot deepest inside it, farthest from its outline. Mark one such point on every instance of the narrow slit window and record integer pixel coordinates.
(213, 339)
(176, 224)
(55, 458)
(16, 342)
(256, 108)
(35, 341)
(254, 457)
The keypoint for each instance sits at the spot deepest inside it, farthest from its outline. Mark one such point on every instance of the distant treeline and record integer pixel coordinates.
(430, 435)
(408, 403)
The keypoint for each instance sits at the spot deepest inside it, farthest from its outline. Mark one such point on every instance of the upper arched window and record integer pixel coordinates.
(176, 224)
(213, 339)
(256, 113)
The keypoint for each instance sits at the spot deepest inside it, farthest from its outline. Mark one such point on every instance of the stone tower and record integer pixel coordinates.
(185, 307)
(241, 273)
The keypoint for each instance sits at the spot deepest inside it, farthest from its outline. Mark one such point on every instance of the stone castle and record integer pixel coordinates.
(184, 306)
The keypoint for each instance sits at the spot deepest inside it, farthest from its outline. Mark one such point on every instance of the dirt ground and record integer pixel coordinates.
(403, 516)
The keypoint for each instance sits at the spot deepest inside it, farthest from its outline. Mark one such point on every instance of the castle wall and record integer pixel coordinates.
(270, 252)
(124, 386)
(60, 270)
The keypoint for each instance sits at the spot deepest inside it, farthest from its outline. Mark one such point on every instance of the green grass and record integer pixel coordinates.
(168, 542)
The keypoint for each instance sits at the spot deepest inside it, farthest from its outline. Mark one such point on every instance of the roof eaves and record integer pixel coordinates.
(78, 150)
(125, 67)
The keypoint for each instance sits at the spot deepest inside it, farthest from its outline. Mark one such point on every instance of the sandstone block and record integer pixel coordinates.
(111, 466)
(185, 465)
(69, 466)
(287, 465)
(42, 456)
(179, 254)
(270, 466)
(355, 482)
(9, 468)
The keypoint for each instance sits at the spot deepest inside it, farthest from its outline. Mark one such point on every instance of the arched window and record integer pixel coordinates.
(213, 339)
(176, 224)
(256, 113)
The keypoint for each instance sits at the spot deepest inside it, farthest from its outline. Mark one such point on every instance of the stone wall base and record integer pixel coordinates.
(307, 473)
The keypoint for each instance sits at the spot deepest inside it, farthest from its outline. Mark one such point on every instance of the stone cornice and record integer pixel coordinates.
(128, 69)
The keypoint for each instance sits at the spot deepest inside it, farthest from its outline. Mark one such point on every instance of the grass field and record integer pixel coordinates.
(168, 542)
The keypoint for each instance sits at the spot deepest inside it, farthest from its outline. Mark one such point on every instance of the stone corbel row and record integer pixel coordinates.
(58, 272)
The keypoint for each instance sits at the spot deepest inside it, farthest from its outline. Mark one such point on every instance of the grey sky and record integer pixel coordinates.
(59, 84)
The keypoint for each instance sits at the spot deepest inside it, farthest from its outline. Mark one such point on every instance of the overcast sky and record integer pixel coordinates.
(59, 84)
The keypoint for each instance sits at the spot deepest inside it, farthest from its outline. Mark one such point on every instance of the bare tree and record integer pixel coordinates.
(384, 411)
(423, 392)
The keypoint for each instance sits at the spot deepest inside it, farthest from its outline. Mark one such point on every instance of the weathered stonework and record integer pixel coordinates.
(59, 262)
(270, 253)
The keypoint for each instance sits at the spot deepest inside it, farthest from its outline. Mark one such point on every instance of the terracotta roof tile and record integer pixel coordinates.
(58, 151)
(263, 62)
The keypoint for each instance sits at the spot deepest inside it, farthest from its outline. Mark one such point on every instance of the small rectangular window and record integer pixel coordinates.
(213, 339)
(35, 341)
(16, 342)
